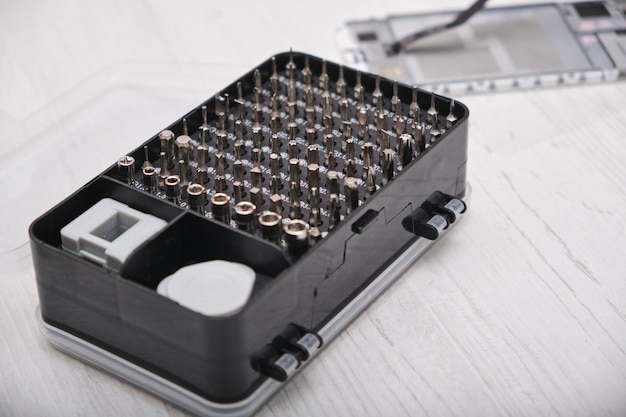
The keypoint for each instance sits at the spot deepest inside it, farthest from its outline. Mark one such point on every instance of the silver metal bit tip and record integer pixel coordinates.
(238, 170)
(244, 215)
(126, 168)
(164, 171)
(432, 111)
(451, 118)
(341, 83)
(256, 197)
(166, 138)
(149, 179)
(334, 213)
(295, 210)
(256, 176)
(258, 84)
(332, 182)
(405, 151)
(294, 170)
(220, 207)
(313, 175)
(197, 197)
(172, 189)
(312, 154)
(271, 226)
(351, 192)
(274, 164)
(274, 78)
(370, 182)
(146, 158)
(394, 97)
(292, 149)
(387, 165)
(435, 133)
(296, 236)
(414, 108)
(185, 128)
(220, 183)
(367, 154)
(358, 87)
(238, 191)
(276, 203)
(377, 94)
(184, 178)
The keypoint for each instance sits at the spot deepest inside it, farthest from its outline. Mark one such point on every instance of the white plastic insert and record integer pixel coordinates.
(109, 232)
(213, 288)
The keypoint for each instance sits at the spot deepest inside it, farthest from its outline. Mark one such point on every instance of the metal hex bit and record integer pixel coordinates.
(405, 151)
(377, 94)
(271, 226)
(275, 164)
(367, 154)
(220, 207)
(172, 189)
(276, 203)
(387, 165)
(294, 170)
(126, 169)
(238, 191)
(313, 175)
(149, 179)
(197, 197)
(166, 138)
(220, 183)
(184, 149)
(146, 158)
(414, 108)
(245, 217)
(311, 136)
(295, 209)
(238, 170)
(432, 111)
(184, 178)
(296, 236)
(257, 137)
(312, 154)
(419, 132)
(292, 149)
(274, 78)
(451, 117)
(370, 182)
(256, 197)
(164, 172)
(334, 214)
(351, 193)
(435, 133)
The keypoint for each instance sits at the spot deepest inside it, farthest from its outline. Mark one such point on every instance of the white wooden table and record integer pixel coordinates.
(521, 311)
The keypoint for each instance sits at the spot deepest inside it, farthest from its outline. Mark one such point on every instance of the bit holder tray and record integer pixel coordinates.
(317, 177)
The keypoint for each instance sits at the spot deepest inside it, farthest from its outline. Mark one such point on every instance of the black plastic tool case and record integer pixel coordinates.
(226, 360)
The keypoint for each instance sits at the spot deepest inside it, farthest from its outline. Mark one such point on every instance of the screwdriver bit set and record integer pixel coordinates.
(216, 259)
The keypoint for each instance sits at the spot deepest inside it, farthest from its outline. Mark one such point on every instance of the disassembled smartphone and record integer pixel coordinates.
(499, 48)
(212, 262)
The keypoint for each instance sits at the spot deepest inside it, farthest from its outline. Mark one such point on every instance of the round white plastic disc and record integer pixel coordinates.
(213, 288)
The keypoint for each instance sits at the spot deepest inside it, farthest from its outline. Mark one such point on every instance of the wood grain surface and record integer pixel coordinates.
(521, 311)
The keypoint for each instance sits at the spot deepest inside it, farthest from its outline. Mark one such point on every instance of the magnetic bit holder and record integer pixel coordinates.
(434, 215)
(109, 232)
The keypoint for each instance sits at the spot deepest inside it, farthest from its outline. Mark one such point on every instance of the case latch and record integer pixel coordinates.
(434, 215)
(279, 359)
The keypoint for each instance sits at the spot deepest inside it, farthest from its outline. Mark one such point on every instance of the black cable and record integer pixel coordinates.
(396, 47)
